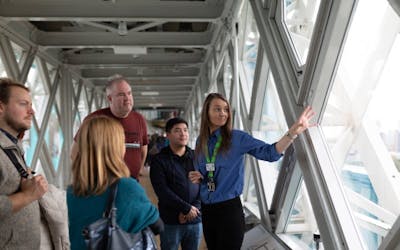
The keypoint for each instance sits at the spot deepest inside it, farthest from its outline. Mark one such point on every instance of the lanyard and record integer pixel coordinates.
(210, 166)
(216, 148)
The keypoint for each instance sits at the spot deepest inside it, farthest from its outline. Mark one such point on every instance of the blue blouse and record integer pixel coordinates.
(229, 166)
(134, 210)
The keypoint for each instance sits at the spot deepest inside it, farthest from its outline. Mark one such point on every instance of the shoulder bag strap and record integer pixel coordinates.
(21, 170)
(111, 198)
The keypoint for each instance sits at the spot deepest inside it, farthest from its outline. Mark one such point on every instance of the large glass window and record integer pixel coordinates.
(75, 85)
(77, 124)
(272, 126)
(251, 201)
(83, 106)
(302, 231)
(18, 51)
(39, 92)
(249, 39)
(362, 123)
(52, 72)
(29, 143)
(299, 19)
(227, 76)
(54, 138)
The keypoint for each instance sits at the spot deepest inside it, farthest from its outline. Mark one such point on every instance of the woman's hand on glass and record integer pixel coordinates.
(303, 122)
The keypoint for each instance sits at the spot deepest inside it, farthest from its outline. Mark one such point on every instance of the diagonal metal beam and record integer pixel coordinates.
(146, 26)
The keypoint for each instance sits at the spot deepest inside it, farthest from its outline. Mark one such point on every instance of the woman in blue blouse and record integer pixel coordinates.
(220, 154)
(99, 163)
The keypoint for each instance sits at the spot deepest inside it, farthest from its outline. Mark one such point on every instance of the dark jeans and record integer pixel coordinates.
(189, 236)
(223, 224)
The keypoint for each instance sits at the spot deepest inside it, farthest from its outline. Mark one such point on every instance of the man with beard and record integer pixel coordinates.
(119, 96)
(19, 193)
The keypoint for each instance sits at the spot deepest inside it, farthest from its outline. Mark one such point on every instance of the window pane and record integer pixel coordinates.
(77, 123)
(83, 107)
(272, 127)
(29, 143)
(39, 92)
(75, 85)
(299, 19)
(250, 39)
(54, 138)
(227, 76)
(52, 72)
(299, 233)
(362, 123)
(251, 201)
(93, 107)
(18, 51)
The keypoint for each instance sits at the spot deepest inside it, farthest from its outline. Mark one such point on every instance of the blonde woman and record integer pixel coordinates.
(99, 163)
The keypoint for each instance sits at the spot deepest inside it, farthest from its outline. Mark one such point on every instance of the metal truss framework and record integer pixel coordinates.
(189, 77)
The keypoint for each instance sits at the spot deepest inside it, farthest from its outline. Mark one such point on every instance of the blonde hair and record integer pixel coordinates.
(100, 159)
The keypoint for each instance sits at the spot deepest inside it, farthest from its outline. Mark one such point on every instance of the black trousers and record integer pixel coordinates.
(223, 224)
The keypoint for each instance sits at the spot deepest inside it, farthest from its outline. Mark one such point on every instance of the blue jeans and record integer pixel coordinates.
(189, 236)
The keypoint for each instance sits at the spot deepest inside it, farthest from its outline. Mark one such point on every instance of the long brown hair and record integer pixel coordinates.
(226, 129)
(100, 159)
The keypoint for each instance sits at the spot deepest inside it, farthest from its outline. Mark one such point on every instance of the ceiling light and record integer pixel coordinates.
(135, 51)
(147, 93)
(155, 105)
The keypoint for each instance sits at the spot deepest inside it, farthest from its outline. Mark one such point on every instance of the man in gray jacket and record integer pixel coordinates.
(19, 208)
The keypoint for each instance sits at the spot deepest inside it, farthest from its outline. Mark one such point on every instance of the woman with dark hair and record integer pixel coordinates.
(97, 165)
(220, 152)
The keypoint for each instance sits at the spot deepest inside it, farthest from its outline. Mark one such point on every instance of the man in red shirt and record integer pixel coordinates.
(119, 96)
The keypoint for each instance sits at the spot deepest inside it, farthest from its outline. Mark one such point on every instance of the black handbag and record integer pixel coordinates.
(105, 234)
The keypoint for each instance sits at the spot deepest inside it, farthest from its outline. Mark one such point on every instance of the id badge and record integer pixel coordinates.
(211, 186)
(210, 167)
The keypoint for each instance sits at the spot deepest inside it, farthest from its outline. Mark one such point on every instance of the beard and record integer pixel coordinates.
(17, 126)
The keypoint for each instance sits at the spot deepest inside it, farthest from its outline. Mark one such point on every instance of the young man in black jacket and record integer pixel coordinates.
(178, 197)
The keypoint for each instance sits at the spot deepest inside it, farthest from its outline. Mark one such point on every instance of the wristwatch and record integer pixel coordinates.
(292, 137)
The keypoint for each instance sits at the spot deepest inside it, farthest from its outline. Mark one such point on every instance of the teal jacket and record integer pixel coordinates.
(134, 210)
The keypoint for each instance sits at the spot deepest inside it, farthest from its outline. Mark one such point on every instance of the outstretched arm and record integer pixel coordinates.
(302, 123)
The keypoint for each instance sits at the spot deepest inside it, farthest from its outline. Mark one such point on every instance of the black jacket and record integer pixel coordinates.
(175, 192)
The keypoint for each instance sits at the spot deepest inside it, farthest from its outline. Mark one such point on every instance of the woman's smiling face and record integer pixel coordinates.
(218, 113)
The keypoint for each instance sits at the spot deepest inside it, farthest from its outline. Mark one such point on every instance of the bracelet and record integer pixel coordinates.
(291, 136)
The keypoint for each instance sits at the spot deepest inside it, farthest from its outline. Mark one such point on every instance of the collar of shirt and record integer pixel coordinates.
(212, 140)
(216, 133)
(11, 137)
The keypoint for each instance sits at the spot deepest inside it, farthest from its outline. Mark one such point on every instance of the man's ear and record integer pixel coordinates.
(109, 98)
